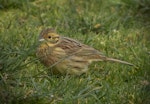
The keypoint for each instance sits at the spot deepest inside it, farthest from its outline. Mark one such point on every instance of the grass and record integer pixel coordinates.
(118, 28)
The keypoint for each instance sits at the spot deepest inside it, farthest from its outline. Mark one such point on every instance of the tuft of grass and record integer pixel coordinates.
(118, 28)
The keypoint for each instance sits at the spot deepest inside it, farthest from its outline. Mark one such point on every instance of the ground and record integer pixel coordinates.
(118, 28)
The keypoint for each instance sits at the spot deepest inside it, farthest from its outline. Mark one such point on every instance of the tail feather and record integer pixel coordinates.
(120, 61)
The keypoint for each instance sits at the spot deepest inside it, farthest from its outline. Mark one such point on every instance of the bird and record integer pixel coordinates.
(64, 55)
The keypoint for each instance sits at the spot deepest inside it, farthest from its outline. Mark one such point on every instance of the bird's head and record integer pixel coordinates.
(49, 36)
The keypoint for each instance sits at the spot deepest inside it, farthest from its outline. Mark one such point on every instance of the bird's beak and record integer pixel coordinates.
(41, 40)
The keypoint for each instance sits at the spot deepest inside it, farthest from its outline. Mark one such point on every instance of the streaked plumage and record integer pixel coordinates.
(66, 55)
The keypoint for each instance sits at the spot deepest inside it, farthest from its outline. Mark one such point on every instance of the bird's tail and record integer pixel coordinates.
(120, 61)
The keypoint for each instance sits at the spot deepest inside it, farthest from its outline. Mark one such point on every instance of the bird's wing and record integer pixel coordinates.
(79, 50)
(69, 45)
(72, 47)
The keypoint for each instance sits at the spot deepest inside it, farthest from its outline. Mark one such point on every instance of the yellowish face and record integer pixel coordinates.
(50, 37)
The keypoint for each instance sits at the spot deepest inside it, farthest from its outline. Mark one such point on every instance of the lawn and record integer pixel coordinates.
(118, 28)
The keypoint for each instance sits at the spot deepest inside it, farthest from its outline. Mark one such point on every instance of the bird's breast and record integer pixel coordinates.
(50, 55)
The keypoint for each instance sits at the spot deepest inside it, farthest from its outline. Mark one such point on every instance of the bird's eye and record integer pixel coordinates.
(49, 37)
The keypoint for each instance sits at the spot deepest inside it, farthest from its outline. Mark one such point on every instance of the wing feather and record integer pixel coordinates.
(73, 47)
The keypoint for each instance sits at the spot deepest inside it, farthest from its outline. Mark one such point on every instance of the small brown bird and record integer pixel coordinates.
(67, 56)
